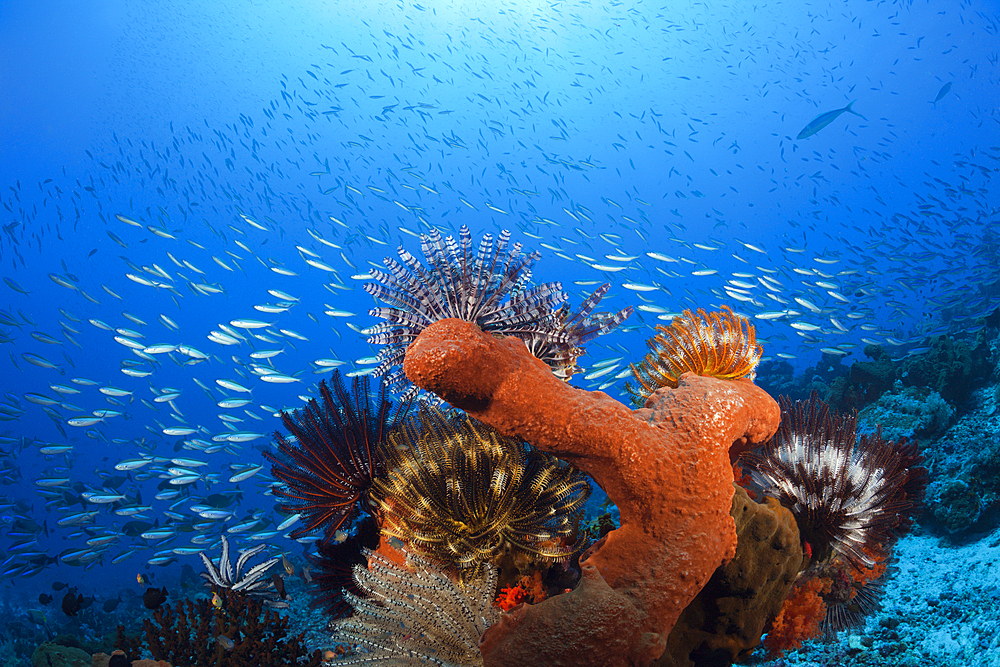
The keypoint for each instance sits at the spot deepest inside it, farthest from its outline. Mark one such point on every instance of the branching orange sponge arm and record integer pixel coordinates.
(666, 466)
(500, 383)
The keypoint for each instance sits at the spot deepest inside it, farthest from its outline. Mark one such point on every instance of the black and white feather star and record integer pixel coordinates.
(854, 497)
(561, 353)
(490, 286)
(252, 582)
(416, 617)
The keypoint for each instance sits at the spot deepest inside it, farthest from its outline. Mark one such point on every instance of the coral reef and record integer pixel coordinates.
(964, 492)
(950, 367)
(464, 496)
(940, 610)
(719, 344)
(240, 630)
(907, 412)
(415, 615)
(51, 654)
(667, 467)
(870, 378)
(777, 377)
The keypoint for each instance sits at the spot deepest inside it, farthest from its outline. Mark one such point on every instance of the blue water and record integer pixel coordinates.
(661, 135)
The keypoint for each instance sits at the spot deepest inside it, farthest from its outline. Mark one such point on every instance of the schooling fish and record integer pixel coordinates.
(824, 119)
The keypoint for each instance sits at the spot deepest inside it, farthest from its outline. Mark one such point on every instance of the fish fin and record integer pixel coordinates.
(848, 108)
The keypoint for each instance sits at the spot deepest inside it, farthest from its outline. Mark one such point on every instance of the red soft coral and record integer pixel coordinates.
(800, 616)
(528, 589)
(510, 597)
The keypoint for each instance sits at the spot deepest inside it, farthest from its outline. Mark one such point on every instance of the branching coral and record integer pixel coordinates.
(853, 499)
(198, 633)
(827, 598)
(331, 458)
(416, 616)
(719, 344)
(490, 287)
(462, 495)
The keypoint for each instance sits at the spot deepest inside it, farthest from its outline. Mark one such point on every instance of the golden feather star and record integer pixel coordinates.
(720, 344)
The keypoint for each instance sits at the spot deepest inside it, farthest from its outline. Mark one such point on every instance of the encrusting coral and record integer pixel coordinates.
(668, 468)
(719, 344)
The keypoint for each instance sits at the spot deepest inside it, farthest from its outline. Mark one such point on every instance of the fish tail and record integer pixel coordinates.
(853, 111)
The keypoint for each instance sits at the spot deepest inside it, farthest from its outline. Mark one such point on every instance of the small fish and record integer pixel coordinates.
(250, 324)
(102, 498)
(246, 474)
(824, 119)
(128, 221)
(278, 378)
(13, 284)
(941, 93)
(132, 464)
(40, 361)
(232, 386)
(154, 597)
(217, 603)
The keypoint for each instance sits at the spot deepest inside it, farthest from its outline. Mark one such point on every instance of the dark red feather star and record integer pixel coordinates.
(331, 457)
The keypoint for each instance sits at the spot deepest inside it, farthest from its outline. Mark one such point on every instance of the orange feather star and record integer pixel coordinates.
(719, 344)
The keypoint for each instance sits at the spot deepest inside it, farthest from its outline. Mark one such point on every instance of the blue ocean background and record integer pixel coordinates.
(290, 146)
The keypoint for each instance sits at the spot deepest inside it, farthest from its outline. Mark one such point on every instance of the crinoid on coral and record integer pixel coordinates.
(852, 595)
(489, 286)
(828, 597)
(333, 567)
(853, 499)
(719, 344)
(416, 616)
(329, 461)
(464, 496)
(249, 582)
